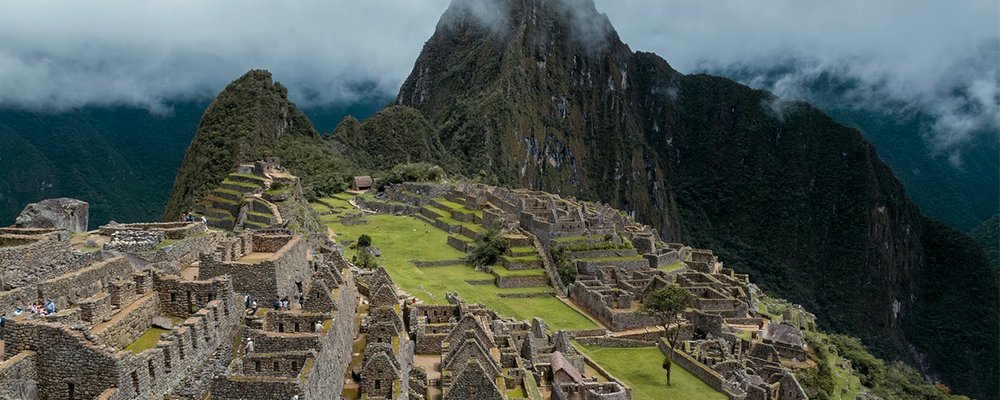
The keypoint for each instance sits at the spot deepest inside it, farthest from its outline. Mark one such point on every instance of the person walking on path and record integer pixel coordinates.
(666, 367)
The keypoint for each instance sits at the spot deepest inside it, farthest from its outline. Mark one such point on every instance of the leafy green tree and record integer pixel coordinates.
(564, 265)
(488, 249)
(364, 240)
(667, 303)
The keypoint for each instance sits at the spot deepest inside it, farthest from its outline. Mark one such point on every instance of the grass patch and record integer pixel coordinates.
(501, 271)
(146, 341)
(450, 204)
(250, 186)
(672, 267)
(641, 368)
(533, 257)
(438, 211)
(611, 259)
(405, 238)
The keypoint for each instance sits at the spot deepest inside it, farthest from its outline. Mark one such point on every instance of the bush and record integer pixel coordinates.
(564, 266)
(488, 249)
(364, 240)
(412, 172)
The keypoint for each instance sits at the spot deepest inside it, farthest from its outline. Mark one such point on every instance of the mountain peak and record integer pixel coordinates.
(536, 21)
(241, 125)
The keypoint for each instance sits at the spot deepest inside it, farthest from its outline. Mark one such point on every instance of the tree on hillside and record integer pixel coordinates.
(488, 249)
(364, 240)
(667, 303)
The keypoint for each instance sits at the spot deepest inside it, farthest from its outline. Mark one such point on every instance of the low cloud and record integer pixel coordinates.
(57, 55)
(939, 58)
(935, 57)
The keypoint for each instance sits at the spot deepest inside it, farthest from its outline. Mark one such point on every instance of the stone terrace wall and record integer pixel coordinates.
(18, 376)
(269, 243)
(73, 287)
(184, 298)
(179, 354)
(256, 388)
(326, 381)
(267, 279)
(63, 358)
(172, 230)
(131, 323)
(616, 321)
(25, 259)
(712, 378)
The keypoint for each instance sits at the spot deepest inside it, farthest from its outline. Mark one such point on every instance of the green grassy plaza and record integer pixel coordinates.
(642, 369)
(404, 238)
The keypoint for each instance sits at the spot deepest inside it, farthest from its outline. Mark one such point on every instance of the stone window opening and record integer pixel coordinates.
(180, 348)
(71, 389)
(281, 327)
(277, 366)
(296, 326)
(152, 370)
(295, 366)
(256, 366)
(135, 381)
(378, 384)
(173, 297)
(166, 360)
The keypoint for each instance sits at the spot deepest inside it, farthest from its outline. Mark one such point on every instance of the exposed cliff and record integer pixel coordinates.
(543, 94)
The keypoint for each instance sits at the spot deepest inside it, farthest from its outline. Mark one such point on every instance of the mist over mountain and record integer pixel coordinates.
(545, 94)
(958, 187)
(120, 159)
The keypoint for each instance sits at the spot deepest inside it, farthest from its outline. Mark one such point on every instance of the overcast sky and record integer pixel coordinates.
(59, 54)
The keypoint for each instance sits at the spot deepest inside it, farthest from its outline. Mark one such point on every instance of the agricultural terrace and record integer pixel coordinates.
(404, 239)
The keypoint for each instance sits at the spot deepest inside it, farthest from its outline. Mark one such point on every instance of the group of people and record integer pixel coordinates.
(187, 217)
(40, 309)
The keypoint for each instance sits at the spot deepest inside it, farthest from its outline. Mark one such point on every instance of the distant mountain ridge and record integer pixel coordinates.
(962, 196)
(551, 99)
(115, 158)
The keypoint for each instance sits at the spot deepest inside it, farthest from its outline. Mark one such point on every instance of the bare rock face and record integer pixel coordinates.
(61, 213)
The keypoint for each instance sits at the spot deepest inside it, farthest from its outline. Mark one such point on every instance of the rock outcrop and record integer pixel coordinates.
(61, 213)
(544, 95)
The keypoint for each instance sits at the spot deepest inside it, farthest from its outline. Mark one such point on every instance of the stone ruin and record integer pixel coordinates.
(123, 328)
(250, 197)
(618, 262)
(480, 352)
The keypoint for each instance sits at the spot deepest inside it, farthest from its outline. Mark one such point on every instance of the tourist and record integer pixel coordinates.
(50, 306)
(3, 321)
(246, 299)
(253, 306)
(276, 304)
(319, 327)
(666, 367)
(18, 311)
(184, 217)
(249, 345)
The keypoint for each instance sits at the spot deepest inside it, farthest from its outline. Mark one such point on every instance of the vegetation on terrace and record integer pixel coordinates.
(641, 369)
(403, 239)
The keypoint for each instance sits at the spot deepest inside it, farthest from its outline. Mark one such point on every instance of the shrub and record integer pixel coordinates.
(488, 249)
(364, 240)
